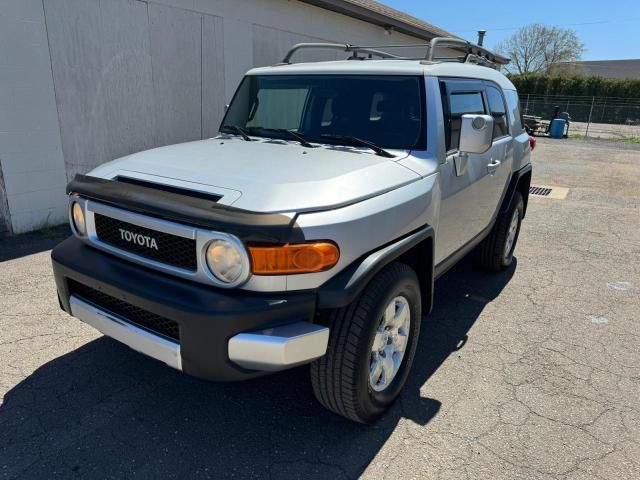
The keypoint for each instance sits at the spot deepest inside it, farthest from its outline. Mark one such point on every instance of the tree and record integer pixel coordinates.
(539, 48)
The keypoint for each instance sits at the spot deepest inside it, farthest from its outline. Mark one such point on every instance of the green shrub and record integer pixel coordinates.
(546, 84)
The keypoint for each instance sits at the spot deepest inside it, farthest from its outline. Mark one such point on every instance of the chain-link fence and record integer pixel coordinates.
(595, 117)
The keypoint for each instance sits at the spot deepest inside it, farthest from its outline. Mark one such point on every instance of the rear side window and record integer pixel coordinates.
(459, 104)
(498, 112)
(513, 104)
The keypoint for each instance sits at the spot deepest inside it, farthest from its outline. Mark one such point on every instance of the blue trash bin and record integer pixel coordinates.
(557, 128)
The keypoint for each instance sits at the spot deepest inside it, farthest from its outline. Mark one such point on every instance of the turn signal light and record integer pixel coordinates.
(293, 258)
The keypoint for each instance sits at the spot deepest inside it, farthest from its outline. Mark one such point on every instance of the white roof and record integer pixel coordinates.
(388, 67)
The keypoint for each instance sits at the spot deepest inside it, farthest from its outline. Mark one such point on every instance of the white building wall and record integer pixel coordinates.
(31, 161)
(130, 75)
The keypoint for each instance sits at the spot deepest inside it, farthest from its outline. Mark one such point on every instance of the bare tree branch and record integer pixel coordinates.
(539, 48)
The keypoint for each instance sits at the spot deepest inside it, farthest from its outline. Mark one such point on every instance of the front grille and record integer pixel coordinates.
(132, 314)
(162, 247)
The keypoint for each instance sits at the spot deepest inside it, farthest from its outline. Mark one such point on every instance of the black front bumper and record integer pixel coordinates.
(207, 316)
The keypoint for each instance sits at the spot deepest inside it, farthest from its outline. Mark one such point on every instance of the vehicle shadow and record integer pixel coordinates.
(33, 242)
(106, 411)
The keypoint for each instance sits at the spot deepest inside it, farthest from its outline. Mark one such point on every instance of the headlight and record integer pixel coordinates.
(77, 214)
(225, 260)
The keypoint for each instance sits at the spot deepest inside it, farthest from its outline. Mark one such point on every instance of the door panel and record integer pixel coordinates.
(462, 210)
(500, 163)
(494, 180)
(455, 216)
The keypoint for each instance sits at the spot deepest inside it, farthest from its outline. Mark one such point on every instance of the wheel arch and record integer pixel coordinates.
(524, 182)
(420, 258)
(415, 249)
(520, 182)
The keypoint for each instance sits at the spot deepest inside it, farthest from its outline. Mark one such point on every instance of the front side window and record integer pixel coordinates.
(461, 103)
(385, 110)
(466, 102)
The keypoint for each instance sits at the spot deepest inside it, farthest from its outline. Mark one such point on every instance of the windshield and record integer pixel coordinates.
(384, 110)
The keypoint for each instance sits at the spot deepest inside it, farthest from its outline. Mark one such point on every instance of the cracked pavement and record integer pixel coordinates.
(529, 374)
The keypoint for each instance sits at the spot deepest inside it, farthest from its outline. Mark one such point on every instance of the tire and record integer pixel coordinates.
(341, 379)
(494, 253)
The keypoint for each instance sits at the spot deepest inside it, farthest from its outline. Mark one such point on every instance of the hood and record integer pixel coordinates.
(267, 175)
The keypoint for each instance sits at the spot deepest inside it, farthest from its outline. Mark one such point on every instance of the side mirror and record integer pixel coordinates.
(476, 133)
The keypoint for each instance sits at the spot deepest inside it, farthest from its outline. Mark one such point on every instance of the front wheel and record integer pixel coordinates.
(371, 347)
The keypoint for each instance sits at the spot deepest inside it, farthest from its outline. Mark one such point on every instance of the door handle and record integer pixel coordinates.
(493, 166)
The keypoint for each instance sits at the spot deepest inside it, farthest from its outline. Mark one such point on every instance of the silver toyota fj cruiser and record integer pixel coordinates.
(312, 229)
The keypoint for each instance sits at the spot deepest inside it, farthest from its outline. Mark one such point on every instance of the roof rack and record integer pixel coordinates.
(471, 53)
(345, 47)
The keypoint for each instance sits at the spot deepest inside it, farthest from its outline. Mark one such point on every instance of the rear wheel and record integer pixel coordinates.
(496, 251)
(371, 347)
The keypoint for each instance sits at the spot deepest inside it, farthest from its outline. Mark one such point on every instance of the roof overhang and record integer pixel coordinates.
(385, 17)
(376, 13)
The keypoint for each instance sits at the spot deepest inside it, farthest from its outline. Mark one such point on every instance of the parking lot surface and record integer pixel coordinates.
(529, 374)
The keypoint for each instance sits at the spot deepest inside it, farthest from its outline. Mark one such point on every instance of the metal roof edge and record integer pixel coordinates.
(361, 12)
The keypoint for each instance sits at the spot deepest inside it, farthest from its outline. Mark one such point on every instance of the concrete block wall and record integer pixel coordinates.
(86, 81)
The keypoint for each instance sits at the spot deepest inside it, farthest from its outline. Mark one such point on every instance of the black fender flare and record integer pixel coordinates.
(513, 187)
(344, 288)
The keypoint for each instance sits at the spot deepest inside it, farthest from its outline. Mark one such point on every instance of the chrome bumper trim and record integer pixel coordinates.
(279, 348)
(136, 338)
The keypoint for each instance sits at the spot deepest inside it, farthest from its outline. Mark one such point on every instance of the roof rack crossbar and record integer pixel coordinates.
(408, 45)
(345, 47)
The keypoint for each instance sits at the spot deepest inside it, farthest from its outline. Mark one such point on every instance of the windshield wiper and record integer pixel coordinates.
(237, 130)
(303, 141)
(358, 142)
(295, 135)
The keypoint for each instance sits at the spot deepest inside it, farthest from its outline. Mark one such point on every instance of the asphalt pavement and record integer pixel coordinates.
(533, 373)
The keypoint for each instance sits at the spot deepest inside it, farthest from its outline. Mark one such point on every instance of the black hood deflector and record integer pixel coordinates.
(250, 227)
